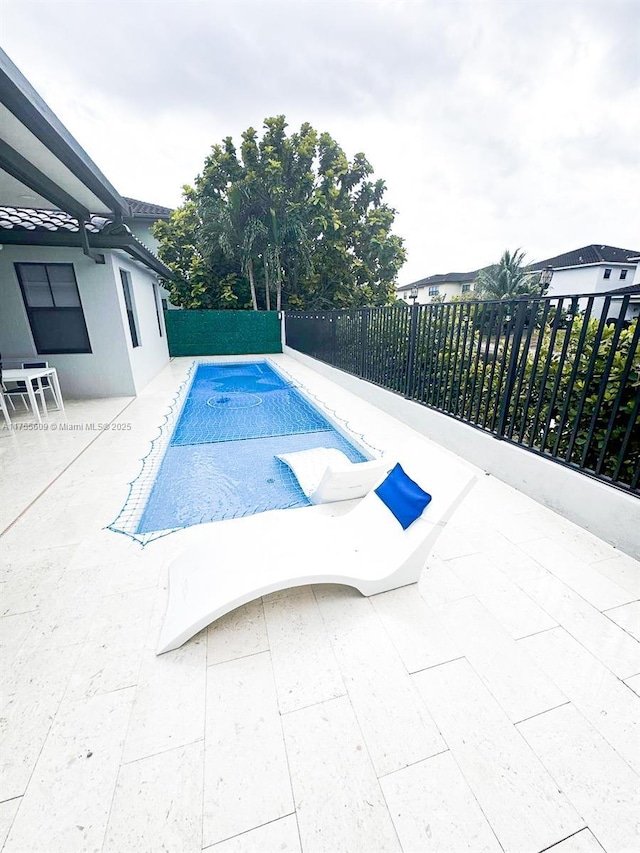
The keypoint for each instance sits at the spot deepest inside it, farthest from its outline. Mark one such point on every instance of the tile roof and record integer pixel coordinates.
(146, 209)
(594, 254)
(632, 289)
(441, 278)
(32, 219)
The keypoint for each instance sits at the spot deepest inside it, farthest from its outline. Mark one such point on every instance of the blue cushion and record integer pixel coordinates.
(403, 496)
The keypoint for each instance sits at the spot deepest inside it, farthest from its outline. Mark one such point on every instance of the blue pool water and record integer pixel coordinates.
(221, 462)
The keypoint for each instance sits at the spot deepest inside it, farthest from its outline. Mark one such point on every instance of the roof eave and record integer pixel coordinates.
(72, 239)
(19, 96)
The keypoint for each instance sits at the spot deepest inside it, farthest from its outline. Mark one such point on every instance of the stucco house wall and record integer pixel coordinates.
(113, 367)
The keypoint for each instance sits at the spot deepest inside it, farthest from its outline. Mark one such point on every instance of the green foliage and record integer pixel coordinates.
(508, 278)
(285, 222)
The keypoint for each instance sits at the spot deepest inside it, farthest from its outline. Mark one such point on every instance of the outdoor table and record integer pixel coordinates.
(29, 375)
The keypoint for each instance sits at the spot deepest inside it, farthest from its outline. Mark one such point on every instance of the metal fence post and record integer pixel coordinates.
(364, 325)
(412, 350)
(521, 315)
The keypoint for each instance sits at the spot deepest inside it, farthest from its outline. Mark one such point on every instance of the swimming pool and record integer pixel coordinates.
(220, 460)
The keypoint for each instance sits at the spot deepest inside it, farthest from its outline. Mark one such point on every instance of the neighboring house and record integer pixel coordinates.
(143, 216)
(591, 269)
(77, 287)
(438, 286)
(633, 305)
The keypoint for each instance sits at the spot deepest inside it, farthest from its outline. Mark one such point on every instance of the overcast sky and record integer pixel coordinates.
(494, 124)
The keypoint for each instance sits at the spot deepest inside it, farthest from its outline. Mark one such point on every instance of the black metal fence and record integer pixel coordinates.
(559, 376)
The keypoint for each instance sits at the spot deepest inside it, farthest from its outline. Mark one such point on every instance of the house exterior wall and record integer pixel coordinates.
(447, 289)
(152, 354)
(141, 228)
(590, 279)
(106, 371)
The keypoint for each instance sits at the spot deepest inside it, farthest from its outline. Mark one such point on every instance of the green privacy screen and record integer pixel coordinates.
(207, 332)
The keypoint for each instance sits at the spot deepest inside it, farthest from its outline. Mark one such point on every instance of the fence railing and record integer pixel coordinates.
(559, 376)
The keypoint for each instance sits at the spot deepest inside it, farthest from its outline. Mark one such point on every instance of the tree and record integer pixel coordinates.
(287, 220)
(508, 279)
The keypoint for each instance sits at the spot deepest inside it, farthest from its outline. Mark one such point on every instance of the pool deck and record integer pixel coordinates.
(494, 706)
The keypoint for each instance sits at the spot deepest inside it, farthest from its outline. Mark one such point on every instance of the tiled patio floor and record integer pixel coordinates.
(495, 706)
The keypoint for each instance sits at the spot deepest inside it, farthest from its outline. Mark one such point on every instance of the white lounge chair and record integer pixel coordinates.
(236, 561)
(327, 475)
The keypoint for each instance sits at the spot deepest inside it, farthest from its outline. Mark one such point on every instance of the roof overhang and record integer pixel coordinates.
(120, 239)
(41, 164)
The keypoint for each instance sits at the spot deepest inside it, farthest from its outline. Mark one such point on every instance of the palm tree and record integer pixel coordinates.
(508, 279)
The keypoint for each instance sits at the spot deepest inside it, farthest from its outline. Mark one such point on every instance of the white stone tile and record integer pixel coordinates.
(397, 727)
(14, 630)
(581, 842)
(416, 632)
(515, 681)
(157, 804)
(32, 691)
(304, 665)
(518, 797)
(238, 634)
(627, 617)
(434, 810)
(438, 584)
(67, 803)
(623, 570)
(505, 555)
(279, 835)
(168, 710)
(452, 542)
(339, 804)
(581, 543)
(634, 683)
(246, 775)
(512, 607)
(598, 695)
(8, 811)
(32, 579)
(578, 575)
(110, 658)
(524, 527)
(608, 642)
(600, 785)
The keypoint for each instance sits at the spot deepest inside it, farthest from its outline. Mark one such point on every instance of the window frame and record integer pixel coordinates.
(130, 307)
(607, 273)
(623, 274)
(434, 290)
(35, 311)
(156, 302)
(466, 288)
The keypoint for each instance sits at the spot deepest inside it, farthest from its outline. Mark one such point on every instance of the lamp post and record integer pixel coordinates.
(413, 294)
(545, 279)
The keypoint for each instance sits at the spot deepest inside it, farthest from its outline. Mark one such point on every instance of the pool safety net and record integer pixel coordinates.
(215, 455)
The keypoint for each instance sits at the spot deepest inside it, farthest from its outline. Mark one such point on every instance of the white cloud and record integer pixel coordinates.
(494, 124)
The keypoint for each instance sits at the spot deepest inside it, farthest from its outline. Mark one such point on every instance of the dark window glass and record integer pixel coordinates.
(466, 288)
(607, 273)
(54, 310)
(434, 290)
(128, 301)
(623, 274)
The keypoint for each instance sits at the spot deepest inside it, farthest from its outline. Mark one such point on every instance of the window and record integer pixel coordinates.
(434, 290)
(623, 274)
(51, 297)
(156, 301)
(466, 288)
(165, 305)
(128, 301)
(607, 273)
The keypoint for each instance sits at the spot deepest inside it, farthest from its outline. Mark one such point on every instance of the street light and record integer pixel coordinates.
(413, 293)
(545, 279)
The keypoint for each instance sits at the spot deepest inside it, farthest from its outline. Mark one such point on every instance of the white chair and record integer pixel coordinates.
(5, 411)
(44, 382)
(230, 563)
(327, 475)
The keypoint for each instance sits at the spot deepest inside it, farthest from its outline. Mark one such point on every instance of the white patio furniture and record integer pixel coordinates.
(326, 475)
(29, 376)
(230, 563)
